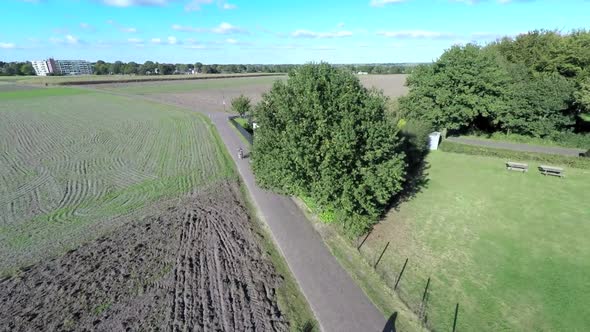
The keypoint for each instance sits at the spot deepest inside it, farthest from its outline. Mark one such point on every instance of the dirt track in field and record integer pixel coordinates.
(196, 266)
(212, 100)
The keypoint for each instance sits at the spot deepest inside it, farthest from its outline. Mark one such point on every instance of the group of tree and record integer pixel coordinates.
(155, 68)
(381, 68)
(16, 68)
(324, 136)
(536, 84)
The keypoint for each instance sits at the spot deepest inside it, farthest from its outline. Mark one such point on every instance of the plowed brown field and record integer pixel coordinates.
(196, 266)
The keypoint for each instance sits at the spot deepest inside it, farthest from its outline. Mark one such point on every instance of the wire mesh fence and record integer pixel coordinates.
(421, 293)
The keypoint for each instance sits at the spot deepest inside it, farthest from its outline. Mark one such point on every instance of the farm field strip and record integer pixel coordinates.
(69, 162)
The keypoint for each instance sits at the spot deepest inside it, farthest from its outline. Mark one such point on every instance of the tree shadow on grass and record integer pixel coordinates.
(416, 148)
(390, 325)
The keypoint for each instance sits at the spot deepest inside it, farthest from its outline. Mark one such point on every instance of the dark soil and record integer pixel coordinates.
(196, 266)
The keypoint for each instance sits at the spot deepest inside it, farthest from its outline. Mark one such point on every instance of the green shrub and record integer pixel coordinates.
(563, 139)
(556, 160)
(241, 105)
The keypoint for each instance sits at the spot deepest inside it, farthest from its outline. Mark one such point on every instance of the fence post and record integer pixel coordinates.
(363, 242)
(455, 320)
(400, 274)
(425, 290)
(378, 260)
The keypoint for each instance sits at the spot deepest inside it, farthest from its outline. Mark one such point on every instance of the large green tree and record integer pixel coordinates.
(323, 135)
(464, 87)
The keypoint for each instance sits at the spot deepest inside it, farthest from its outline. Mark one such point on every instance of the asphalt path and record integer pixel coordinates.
(336, 300)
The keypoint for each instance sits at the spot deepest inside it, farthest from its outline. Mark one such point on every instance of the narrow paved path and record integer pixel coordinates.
(516, 146)
(338, 303)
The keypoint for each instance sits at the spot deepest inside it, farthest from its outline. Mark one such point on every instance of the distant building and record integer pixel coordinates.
(41, 67)
(362, 73)
(62, 67)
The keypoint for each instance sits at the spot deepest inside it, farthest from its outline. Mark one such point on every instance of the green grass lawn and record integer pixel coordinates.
(511, 248)
(74, 161)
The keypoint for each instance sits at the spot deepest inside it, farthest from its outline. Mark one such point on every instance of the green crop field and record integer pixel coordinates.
(511, 248)
(188, 86)
(73, 161)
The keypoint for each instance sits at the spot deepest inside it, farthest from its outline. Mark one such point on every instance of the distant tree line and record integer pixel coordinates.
(536, 84)
(156, 68)
(16, 68)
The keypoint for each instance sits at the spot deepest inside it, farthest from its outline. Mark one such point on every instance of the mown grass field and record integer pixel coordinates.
(510, 248)
(73, 162)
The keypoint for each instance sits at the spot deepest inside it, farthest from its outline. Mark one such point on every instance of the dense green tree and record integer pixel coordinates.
(536, 105)
(241, 105)
(323, 135)
(27, 69)
(199, 67)
(464, 87)
(101, 68)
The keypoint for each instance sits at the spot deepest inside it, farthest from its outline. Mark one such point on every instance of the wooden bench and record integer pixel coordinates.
(551, 170)
(512, 166)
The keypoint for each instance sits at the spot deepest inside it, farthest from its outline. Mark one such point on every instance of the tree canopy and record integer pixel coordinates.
(323, 135)
(535, 84)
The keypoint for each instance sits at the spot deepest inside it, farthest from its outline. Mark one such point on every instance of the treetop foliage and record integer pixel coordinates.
(535, 84)
(323, 135)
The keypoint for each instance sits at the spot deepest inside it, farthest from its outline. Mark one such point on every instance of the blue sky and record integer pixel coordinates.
(266, 31)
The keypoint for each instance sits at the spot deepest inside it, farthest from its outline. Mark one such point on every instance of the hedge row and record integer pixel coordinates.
(552, 159)
(564, 139)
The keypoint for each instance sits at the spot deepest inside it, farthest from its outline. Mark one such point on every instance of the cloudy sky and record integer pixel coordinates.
(269, 31)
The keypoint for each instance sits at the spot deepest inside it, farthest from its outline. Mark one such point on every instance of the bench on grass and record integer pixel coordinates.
(551, 170)
(512, 166)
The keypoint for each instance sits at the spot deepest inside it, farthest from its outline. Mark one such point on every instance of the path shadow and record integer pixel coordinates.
(390, 325)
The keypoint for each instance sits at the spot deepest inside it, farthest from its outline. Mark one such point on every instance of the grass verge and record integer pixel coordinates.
(290, 299)
(362, 272)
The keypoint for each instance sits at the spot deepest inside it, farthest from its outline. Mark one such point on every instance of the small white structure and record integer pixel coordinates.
(362, 73)
(434, 139)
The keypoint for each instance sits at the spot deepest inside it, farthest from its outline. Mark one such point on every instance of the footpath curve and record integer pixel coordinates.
(336, 300)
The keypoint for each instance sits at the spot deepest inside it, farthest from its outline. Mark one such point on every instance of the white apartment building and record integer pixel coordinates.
(41, 67)
(62, 67)
(74, 67)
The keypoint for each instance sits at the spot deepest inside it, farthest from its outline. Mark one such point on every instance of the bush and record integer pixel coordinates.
(563, 139)
(241, 105)
(555, 160)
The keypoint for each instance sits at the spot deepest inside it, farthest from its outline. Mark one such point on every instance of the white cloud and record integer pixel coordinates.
(121, 27)
(381, 3)
(7, 45)
(135, 40)
(231, 41)
(128, 30)
(228, 6)
(71, 39)
(196, 5)
(311, 34)
(225, 28)
(129, 3)
(415, 34)
(172, 40)
(156, 40)
(86, 26)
